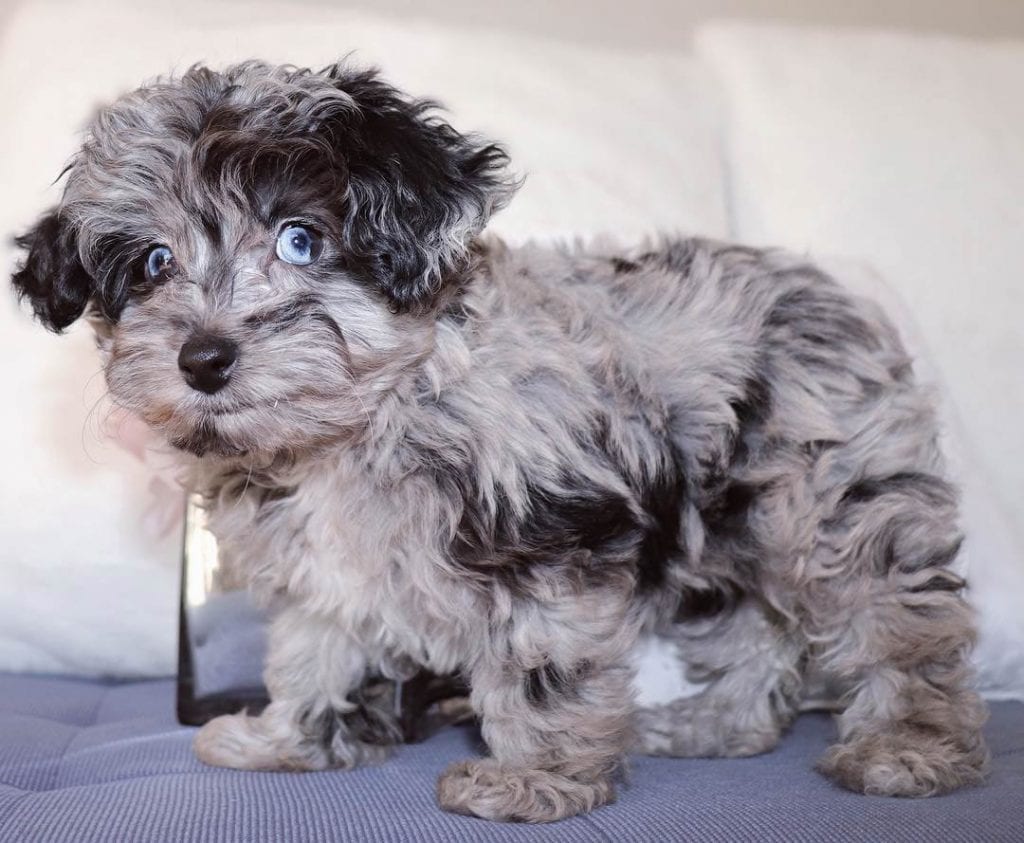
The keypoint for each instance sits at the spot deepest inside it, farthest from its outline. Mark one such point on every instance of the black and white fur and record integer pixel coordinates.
(436, 450)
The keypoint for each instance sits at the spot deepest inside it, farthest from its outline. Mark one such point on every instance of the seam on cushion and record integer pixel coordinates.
(59, 760)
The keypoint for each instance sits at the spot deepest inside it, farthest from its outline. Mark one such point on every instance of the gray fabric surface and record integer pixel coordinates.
(87, 761)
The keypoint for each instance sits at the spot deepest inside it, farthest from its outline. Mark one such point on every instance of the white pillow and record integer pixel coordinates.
(908, 152)
(611, 141)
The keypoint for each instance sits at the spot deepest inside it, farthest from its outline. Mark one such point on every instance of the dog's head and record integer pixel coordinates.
(261, 250)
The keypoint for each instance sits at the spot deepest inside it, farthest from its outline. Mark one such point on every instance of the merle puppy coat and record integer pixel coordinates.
(427, 448)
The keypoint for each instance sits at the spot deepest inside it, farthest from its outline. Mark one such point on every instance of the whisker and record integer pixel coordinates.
(93, 424)
(248, 479)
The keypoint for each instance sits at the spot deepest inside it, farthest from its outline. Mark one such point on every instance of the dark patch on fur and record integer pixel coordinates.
(325, 319)
(207, 217)
(120, 274)
(587, 519)
(755, 406)
(902, 372)
(677, 256)
(578, 530)
(925, 486)
(211, 225)
(888, 559)
(816, 447)
(727, 499)
(621, 266)
(662, 496)
(579, 526)
(266, 495)
(282, 318)
(947, 581)
(729, 538)
(549, 684)
(701, 603)
(752, 410)
(728, 512)
(818, 323)
(663, 500)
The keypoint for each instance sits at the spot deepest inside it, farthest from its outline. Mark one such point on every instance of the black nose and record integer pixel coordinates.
(206, 362)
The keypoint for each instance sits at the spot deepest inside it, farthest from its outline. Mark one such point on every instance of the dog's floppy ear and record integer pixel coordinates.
(417, 190)
(51, 276)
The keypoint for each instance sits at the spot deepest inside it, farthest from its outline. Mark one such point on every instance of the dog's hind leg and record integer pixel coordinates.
(753, 668)
(311, 723)
(891, 620)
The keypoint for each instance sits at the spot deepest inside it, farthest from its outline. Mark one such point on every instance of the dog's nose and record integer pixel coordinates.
(206, 362)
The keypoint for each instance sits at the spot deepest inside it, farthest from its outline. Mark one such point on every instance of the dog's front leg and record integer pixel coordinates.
(310, 724)
(554, 694)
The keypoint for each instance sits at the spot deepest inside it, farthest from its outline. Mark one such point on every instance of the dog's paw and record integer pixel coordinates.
(486, 789)
(895, 764)
(242, 742)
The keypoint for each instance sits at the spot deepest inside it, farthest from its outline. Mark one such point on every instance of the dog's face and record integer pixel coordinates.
(262, 251)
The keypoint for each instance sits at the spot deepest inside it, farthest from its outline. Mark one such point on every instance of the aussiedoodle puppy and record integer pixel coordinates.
(426, 448)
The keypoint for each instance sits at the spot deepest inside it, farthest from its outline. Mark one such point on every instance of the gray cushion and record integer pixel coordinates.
(91, 761)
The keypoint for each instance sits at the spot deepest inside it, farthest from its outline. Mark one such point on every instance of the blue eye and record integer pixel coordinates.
(159, 263)
(298, 245)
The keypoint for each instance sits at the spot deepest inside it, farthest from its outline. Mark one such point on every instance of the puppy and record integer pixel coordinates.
(429, 449)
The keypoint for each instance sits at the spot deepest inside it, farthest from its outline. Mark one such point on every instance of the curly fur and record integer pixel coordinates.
(436, 450)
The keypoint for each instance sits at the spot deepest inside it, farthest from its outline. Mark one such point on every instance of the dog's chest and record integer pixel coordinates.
(370, 559)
